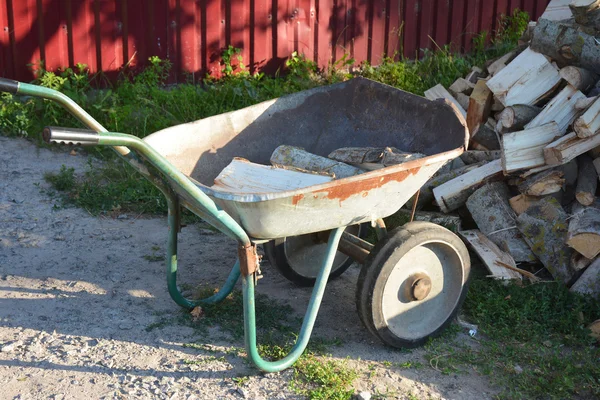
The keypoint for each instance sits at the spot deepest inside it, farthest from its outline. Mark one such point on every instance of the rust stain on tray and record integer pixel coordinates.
(344, 191)
(296, 199)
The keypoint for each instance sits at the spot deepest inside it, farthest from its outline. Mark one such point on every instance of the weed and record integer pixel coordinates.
(240, 380)
(319, 378)
(64, 180)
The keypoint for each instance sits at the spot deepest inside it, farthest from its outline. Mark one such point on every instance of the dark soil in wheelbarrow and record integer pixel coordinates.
(85, 313)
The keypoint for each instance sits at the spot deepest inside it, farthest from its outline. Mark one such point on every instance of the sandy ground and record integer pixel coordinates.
(77, 294)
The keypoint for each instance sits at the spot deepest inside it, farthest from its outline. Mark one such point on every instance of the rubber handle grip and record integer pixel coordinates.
(71, 136)
(9, 86)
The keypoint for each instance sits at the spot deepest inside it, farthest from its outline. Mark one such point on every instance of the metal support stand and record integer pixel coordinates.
(309, 318)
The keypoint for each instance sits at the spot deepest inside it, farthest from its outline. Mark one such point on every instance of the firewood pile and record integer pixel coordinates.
(529, 179)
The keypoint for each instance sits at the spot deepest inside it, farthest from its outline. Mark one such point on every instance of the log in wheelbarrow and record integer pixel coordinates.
(413, 280)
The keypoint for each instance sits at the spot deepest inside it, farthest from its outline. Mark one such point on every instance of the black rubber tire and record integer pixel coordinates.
(275, 252)
(381, 263)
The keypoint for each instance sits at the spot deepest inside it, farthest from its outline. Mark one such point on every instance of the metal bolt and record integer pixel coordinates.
(421, 288)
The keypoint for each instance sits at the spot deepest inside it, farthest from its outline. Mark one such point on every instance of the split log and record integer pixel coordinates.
(567, 44)
(570, 171)
(587, 181)
(525, 149)
(454, 193)
(461, 85)
(426, 193)
(474, 75)
(568, 147)
(476, 156)
(544, 227)
(290, 157)
(514, 118)
(584, 230)
(579, 78)
(589, 282)
(588, 124)
(584, 104)
(557, 10)
(493, 215)
(439, 92)
(543, 183)
(463, 100)
(370, 158)
(489, 254)
(480, 104)
(485, 138)
(500, 63)
(561, 109)
(449, 221)
(586, 12)
(522, 202)
(579, 262)
(526, 80)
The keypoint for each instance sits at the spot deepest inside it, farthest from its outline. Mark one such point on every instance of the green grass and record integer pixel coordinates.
(539, 328)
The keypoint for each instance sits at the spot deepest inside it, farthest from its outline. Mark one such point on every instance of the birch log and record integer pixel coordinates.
(291, 157)
(525, 149)
(454, 193)
(526, 80)
(522, 202)
(493, 215)
(514, 118)
(579, 78)
(489, 254)
(561, 109)
(439, 92)
(584, 230)
(544, 227)
(480, 104)
(588, 124)
(567, 44)
(543, 183)
(586, 12)
(476, 156)
(589, 282)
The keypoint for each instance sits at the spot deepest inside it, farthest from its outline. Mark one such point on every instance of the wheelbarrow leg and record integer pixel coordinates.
(234, 275)
(309, 318)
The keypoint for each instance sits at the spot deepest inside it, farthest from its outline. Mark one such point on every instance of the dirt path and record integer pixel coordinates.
(77, 294)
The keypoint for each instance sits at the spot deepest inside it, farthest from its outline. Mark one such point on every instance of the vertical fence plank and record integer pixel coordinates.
(395, 29)
(377, 36)
(108, 34)
(6, 66)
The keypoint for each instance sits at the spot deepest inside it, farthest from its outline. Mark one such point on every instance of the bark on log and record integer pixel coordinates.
(586, 12)
(543, 183)
(449, 221)
(587, 181)
(381, 156)
(589, 282)
(514, 118)
(476, 156)
(463, 100)
(579, 78)
(561, 109)
(492, 213)
(567, 44)
(291, 157)
(544, 227)
(568, 147)
(584, 230)
(486, 138)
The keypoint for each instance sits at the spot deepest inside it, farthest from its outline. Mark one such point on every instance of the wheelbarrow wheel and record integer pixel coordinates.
(298, 258)
(413, 284)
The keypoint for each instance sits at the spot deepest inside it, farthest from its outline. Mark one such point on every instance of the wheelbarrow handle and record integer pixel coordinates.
(9, 86)
(71, 136)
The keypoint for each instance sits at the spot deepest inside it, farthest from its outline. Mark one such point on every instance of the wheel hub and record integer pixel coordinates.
(420, 288)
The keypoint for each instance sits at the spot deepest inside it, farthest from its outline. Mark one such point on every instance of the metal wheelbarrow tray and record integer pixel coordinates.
(412, 281)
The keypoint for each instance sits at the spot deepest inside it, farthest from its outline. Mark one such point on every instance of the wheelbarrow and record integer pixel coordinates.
(412, 281)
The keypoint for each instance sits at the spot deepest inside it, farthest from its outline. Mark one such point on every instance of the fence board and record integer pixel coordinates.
(110, 34)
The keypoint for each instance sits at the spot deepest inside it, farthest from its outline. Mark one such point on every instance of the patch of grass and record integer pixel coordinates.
(535, 342)
(320, 378)
(63, 180)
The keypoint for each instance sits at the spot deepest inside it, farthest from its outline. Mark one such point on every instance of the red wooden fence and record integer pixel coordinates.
(107, 34)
